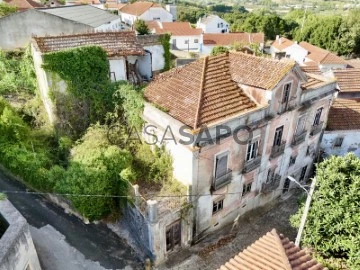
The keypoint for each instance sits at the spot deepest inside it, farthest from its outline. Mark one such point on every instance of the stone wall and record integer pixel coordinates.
(17, 250)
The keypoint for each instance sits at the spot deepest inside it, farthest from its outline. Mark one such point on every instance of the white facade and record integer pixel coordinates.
(213, 24)
(341, 142)
(152, 14)
(294, 51)
(186, 43)
(114, 25)
(117, 69)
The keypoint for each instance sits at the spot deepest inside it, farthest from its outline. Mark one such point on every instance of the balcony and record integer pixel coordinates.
(220, 181)
(299, 138)
(315, 129)
(272, 185)
(252, 164)
(278, 150)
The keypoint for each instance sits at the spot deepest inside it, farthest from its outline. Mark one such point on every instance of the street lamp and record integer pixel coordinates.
(307, 206)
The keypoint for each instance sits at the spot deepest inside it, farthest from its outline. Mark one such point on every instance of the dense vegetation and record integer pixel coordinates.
(5, 9)
(333, 222)
(141, 27)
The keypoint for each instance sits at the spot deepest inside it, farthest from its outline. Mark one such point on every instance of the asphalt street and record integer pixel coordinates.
(96, 242)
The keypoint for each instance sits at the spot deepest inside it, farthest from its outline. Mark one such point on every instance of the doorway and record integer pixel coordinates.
(173, 236)
(286, 185)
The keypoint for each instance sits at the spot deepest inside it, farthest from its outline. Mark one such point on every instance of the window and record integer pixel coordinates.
(286, 93)
(292, 160)
(221, 166)
(156, 19)
(317, 117)
(173, 235)
(186, 41)
(217, 206)
(252, 150)
(270, 175)
(196, 40)
(278, 136)
(303, 173)
(218, 25)
(338, 141)
(246, 189)
(300, 126)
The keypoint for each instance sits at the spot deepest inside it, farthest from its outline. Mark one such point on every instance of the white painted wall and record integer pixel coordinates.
(157, 54)
(327, 67)
(295, 52)
(114, 25)
(157, 14)
(181, 42)
(118, 66)
(129, 19)
(212, 26)
(351, 142)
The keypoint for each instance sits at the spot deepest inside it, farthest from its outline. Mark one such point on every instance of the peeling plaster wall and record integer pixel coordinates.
(351, 142)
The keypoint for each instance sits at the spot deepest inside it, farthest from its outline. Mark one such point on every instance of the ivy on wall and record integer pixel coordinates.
(165, 41)
(86, 73)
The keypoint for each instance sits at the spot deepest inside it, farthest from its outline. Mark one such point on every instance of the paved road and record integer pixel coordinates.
(95, 241)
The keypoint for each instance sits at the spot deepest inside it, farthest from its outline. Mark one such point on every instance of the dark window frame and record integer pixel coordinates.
(218, 205)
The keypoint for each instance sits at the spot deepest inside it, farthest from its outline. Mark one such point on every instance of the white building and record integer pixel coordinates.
(183, 36)
(147, 11)
(213, 24)
(342, 134)
(289, 48)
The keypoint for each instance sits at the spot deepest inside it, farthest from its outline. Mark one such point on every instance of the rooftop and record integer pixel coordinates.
(354, 63)
(348, 79)
(282, 43)
(23, 4)
(227, 39)
(272, 251)
(208, 18)
(138, 8)
(321, 56)
(315, 81)
(311, 67)
(200, 93)
(84, 14)
(344, 114)
(114, 43)
(175, 28)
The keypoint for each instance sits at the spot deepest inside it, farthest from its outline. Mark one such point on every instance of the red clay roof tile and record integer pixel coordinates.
(228, 39)
(138, 8)
(348, 79)
(344, 114)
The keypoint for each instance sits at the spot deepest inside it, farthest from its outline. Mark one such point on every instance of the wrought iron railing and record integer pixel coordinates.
(315, 129)
(299, 138)
(223, 180)
(278, 150)
(252, 164)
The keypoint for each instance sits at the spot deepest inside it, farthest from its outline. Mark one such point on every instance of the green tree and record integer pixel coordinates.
(333, 222)
(141, 27)
(219, 50)
(5, 9)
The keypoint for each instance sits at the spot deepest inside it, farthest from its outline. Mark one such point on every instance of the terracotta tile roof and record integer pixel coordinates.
(260, 72)
(138, 8)
(282, 43)
(311, 67)
(315, 81)
(114, 43)
(320, 55)
(228, 39)
(344, 114)
(200, 93)
(174, 28)
(354, 63)
(273, 251)
(23, 4)
(348, 79)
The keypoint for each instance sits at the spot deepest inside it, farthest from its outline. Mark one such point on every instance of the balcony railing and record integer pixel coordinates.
(272, 185)
(252, 164)
(223, 180)
(278, 150)
(315, 129)
(299, 138)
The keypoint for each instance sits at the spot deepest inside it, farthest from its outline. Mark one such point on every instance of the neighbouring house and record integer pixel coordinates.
(354, 63)
(348, 82)
(183, 36)
(236, 126)
(230, 39)
(22, 5)
(17, 250)
(283, 47)
(324, 59)
(16, 30)
(342, 132)
(213, 24)
(272, 251)
(128, 59)
(146, 11)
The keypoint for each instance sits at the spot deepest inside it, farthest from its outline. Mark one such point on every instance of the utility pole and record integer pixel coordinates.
(306, 210)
